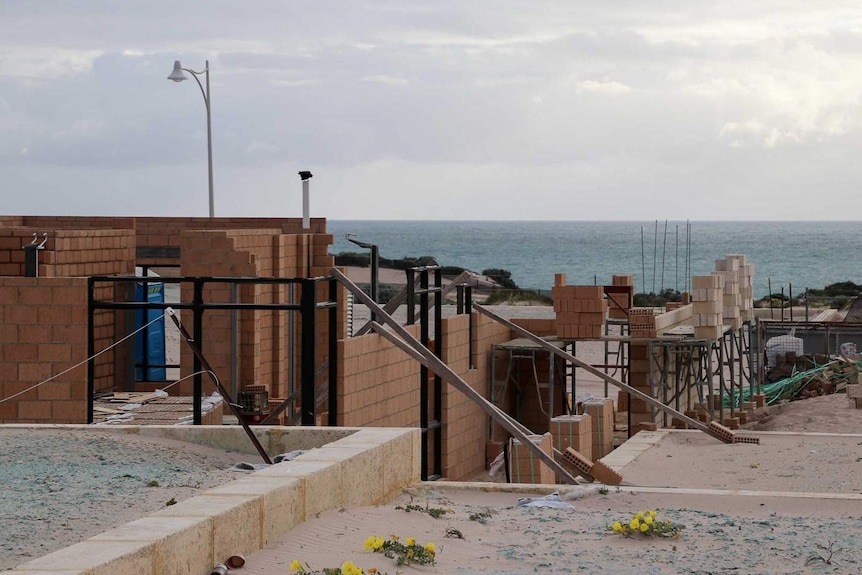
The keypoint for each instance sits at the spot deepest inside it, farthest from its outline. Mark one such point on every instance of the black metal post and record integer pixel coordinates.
(199, 356)
(198, 326)
(375, 269)
(438, 381)
(333, 353)
(411, 312)
(308, 314)
(424, 404)
(91, 349)
(468, 308)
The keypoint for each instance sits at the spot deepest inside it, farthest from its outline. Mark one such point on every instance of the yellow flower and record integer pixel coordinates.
(378, 543)
(653, 514)
(393, 536)
(648, 520)
(430, 548)
(348, 568)
(410, 554)
(644, 527)
(639, 515)
(634, 523)
(410, 542)
(369, 543)
(617, 527)
(295, 565)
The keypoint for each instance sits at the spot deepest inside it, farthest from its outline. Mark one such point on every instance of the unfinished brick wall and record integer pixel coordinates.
(43, 331)
(378, 384)
(155, 234)
(465, 423)
(69, 253)
(263, 334)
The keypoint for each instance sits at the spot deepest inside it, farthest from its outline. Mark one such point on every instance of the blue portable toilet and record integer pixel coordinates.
(150, 342)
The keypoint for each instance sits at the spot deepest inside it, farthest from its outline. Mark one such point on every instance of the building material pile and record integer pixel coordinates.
(642, 322)
(708, 297)
(620, 303)
(580, 310)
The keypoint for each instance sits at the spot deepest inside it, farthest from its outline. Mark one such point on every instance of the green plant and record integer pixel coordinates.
(435, 512)
(647, 523)
(153, 483)
(481, 516)
(170, 502)
(603, 490)
(405, 553)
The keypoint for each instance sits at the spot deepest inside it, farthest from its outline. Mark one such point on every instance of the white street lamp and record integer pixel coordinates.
(178, 76)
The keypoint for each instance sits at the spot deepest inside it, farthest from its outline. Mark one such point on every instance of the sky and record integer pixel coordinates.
(435, 109)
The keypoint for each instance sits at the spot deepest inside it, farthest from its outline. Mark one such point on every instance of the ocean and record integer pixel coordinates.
(792, 255)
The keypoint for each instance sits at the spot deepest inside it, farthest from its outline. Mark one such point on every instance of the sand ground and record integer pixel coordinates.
(63, 486)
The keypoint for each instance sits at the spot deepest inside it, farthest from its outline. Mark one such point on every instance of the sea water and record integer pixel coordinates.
(792, 255)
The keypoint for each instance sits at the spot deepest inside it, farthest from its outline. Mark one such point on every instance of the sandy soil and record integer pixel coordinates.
(60, 487)
(760, 530)
(721, 536)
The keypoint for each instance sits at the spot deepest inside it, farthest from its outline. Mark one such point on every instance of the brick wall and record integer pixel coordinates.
(263, 334)
(465, 423)
(43, 331)
(69, 253)
(378, 384)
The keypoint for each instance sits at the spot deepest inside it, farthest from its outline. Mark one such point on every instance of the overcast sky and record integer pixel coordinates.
(435, 109)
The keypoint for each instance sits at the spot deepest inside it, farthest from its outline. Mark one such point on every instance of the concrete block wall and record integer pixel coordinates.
(43, 332)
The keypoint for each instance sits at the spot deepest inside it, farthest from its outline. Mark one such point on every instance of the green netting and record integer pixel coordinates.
(790, 387)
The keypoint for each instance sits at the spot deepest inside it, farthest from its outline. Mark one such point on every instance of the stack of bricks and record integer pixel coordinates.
(601, 412)
(525, 466)
(580, 310)
(575, 431)
(731, 300)
(642, 322)
(707, 295)
(640, 412)
(621, 303)
(746, 286)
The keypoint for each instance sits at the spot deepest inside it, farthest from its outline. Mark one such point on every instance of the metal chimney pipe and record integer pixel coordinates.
(306, 216)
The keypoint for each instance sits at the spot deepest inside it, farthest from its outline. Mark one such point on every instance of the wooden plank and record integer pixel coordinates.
(100, 409)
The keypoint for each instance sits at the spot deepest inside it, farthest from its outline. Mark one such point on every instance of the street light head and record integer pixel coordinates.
(177, 75)
(304, 175)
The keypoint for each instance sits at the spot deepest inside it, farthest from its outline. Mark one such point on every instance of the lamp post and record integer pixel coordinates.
(177, 76)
